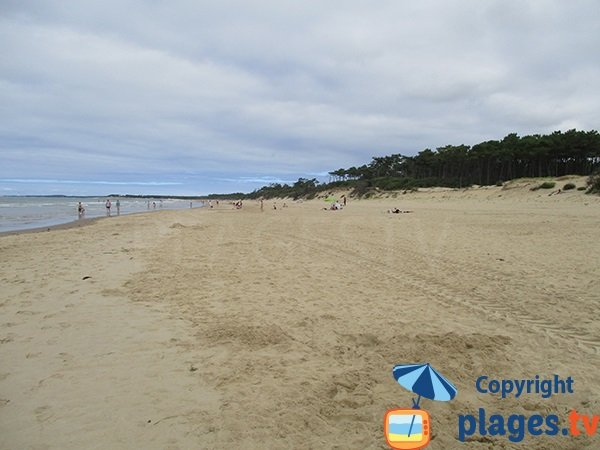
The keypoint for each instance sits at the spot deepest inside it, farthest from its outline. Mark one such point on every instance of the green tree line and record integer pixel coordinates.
(557, 154)
(491, 162)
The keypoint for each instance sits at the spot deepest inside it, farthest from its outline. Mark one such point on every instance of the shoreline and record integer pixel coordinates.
(85, 221)
(60, 226)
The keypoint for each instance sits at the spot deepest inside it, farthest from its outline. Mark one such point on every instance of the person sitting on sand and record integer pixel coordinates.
(334, 207)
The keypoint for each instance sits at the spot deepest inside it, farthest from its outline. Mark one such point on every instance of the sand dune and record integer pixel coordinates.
(232, 328)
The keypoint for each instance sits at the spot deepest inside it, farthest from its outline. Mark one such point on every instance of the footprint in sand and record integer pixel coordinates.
(66, 357)
(43, 413)
(28, 313)
(6, 340)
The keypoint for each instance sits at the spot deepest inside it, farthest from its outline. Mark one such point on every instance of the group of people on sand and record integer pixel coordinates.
(335, 206)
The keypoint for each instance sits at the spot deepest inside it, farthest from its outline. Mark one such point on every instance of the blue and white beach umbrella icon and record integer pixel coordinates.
(424, 381)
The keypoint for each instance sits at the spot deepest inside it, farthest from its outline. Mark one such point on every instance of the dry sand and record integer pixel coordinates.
(226, 328)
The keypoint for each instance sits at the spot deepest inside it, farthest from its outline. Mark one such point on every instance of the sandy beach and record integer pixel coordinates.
(222, 328)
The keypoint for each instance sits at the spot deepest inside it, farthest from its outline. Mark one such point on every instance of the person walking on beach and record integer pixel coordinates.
(80, 210)
(118, 207)
(108, 206)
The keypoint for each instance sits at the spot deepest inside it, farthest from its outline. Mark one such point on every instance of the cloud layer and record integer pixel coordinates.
(198, 97)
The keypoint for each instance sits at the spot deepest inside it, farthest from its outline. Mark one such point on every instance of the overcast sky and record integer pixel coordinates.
(195, 97)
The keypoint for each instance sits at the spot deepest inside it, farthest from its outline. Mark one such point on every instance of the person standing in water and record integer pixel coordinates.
(80, 210)
(118, 207)
(108, 206)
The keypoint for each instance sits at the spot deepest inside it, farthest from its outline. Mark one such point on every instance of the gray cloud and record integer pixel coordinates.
(213, 92)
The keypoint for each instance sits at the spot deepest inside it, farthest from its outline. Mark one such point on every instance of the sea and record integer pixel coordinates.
(21, 213)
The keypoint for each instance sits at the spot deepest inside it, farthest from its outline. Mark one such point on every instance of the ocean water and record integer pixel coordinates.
(20, 213)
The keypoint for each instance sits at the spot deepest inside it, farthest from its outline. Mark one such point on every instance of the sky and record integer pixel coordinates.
(194, 97)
